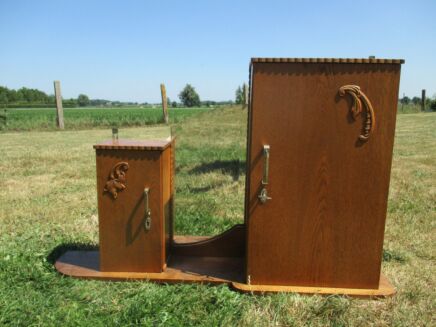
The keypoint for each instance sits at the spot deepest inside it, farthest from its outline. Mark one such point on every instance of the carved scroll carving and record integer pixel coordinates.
(358, 97)
(117, 179)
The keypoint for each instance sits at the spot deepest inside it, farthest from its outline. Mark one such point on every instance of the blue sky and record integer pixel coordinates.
(123, 50)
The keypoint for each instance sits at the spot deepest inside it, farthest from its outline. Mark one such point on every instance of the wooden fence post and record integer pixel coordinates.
(164, 103)
(423, 100)
(59, 109)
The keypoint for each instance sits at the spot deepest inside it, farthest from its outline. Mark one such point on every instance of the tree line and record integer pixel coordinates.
(25, 97)
(34, 98)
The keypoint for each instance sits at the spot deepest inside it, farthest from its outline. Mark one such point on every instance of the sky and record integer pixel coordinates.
(123, 50)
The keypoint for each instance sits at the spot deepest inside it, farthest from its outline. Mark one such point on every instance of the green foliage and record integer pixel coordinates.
(82, 100)
(42, 119)
(24, 95)
(3, 119)
(189, 97)
(239, 95)
(405, 100)
(433, 104)
(389, 255)
(416, 100)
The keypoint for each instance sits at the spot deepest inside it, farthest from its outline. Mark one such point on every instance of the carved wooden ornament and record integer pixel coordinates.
(358, 97)
(117, 179)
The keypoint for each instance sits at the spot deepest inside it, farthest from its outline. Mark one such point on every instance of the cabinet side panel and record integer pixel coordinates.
(324, 225)
(125, 245)
(167, 202)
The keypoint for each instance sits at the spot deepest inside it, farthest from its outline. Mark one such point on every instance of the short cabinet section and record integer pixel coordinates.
(134, 204)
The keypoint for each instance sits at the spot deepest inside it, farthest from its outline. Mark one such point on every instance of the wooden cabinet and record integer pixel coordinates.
(134, 185)
(319, 152)
(325, 131)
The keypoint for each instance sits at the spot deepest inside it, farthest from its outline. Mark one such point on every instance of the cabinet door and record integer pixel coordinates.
(324, 223)
(125, 242)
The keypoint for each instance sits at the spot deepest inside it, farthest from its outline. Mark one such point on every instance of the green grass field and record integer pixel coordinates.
(48, 202)
(85, 118)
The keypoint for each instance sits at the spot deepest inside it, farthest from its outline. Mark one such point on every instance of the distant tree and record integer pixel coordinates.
(189, 97)
(168, 102)
(3, 98)
(4, 92)
(208, 103)
(416, 100)
(433, 104)
(405, 100)
(31, 95)
(51, 98)
(174, 104)
(83, 100)
(239, 95)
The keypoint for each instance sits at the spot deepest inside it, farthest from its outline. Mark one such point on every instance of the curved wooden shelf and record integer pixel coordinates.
(230, 243)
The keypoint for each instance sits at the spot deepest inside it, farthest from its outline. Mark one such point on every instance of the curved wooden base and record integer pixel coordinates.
(385, 289)
(214, 270)
(209, 270)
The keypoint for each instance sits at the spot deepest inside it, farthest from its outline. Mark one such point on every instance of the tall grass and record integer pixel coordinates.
(48, 202)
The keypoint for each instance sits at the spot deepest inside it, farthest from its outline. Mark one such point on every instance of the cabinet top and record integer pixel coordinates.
(123, 144)
(329, 60)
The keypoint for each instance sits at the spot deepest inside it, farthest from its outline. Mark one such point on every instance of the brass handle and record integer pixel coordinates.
(358, 97)
(147, 219)
(263, 195)
(266, 149)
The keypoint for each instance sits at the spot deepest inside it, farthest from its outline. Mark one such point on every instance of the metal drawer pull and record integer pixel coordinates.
(147, 218)
(263, 195)
(266, 148)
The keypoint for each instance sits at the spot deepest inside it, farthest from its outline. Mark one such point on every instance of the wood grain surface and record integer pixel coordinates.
(123, 144)
(125, 245)
(231, 243)
(384, 289)
(210, 270)
(324, 226)
(214, 270)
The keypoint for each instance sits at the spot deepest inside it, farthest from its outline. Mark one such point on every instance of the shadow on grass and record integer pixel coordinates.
(232, 167)
(59, 250)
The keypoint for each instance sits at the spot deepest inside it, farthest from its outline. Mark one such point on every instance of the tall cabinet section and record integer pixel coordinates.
(321, 134)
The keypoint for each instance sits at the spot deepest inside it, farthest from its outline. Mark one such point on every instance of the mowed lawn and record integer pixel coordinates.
(48, 202)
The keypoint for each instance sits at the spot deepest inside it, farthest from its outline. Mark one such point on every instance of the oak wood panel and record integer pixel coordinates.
(231, 243)
(383, 289)
(329, 60)
(84, 264)
(125, 245)
(214, 270)
(123, 144)
(324, 226)
(166, 202)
